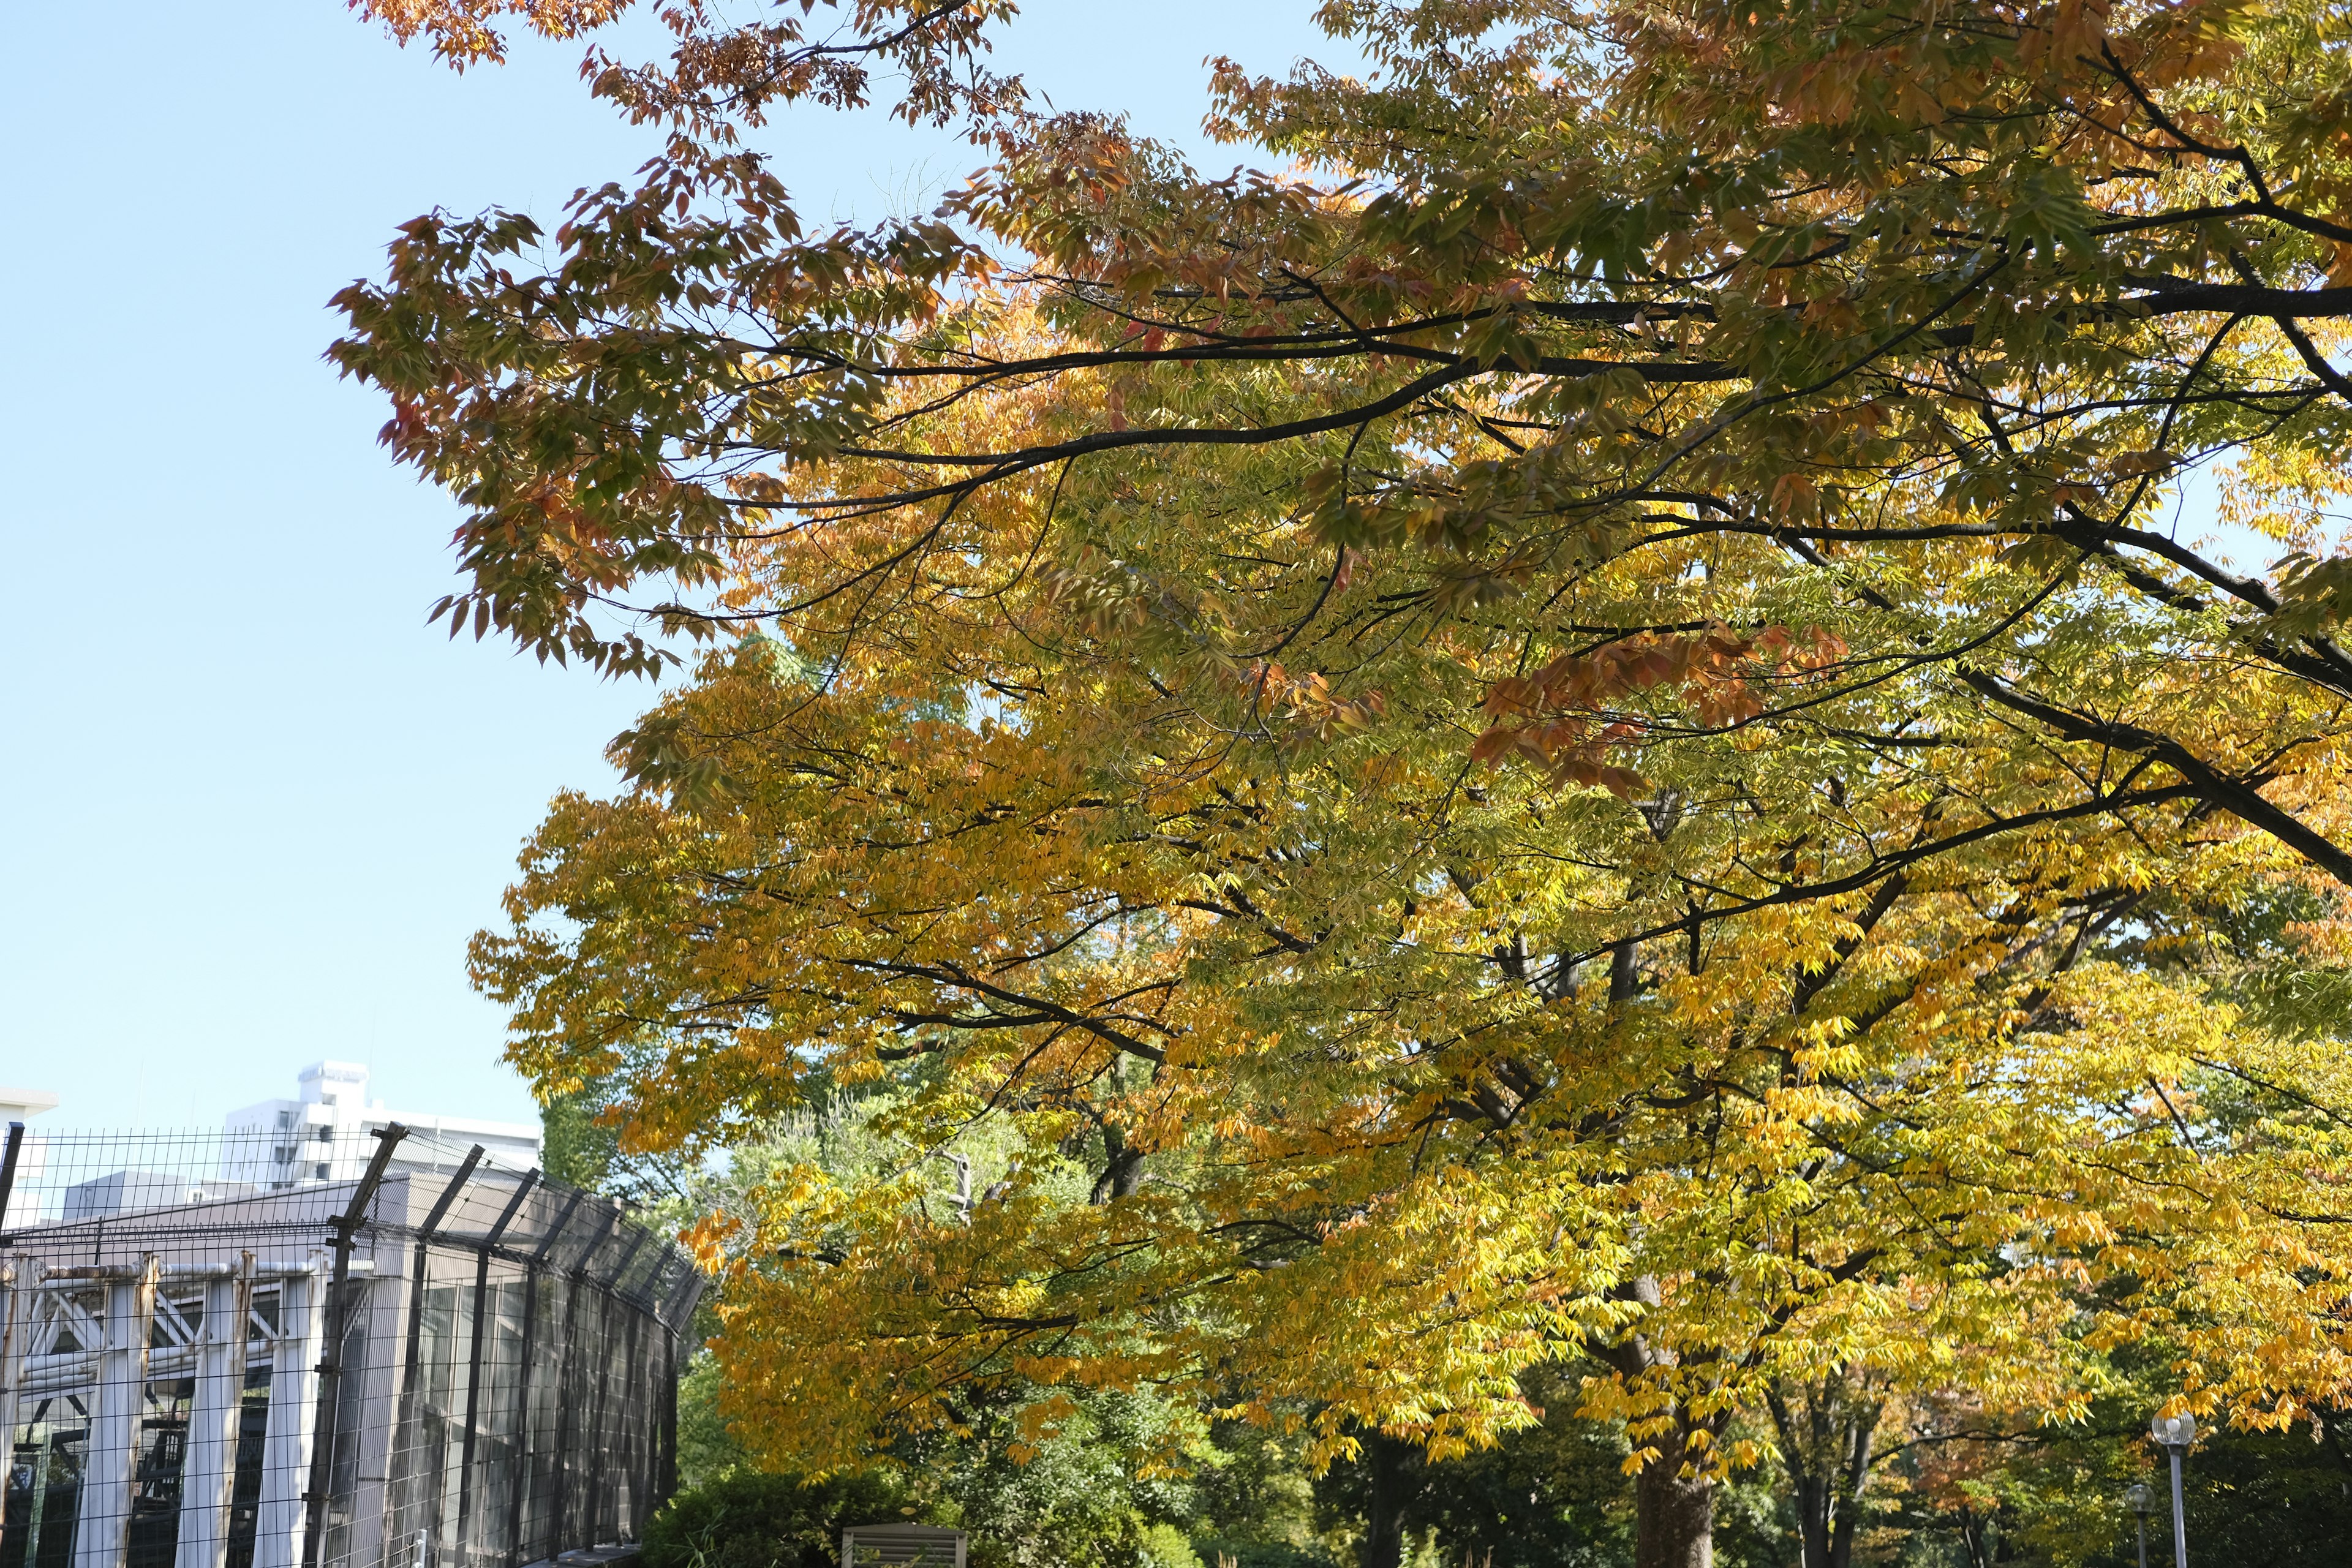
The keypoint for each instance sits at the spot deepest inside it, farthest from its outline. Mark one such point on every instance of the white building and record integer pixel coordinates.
(23, 1105)
(323, 1135)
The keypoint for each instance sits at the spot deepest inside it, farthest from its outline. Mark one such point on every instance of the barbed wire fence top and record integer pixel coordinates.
(292, 1346)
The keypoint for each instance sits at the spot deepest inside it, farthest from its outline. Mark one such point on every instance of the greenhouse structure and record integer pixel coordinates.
(436, 1363)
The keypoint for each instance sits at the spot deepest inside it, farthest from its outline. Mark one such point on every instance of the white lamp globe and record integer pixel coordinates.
(2173, 1431)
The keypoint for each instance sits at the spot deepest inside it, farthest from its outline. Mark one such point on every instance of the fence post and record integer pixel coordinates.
(519, 1469)
(8, 1175)
(18, 1281)
(474, 1361)
(574, 1398)
(409, 1499)
(331, 1353)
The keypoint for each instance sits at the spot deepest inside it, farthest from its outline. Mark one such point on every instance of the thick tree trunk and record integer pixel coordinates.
(1674, 1514)
(1812, 1520)
(1826, 1444)
(1383, 1539)
(1385, 1512)
(1857, 1482)
(1122, 1167)
(1673, 1518)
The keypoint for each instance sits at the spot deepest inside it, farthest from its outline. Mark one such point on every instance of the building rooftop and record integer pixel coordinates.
(22, 1104)
(319, 1135)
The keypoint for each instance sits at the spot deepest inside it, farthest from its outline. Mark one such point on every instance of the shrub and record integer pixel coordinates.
(750, 1520)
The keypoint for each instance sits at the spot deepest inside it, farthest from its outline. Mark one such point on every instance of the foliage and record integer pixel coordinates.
(1254, 1500)
(1984, 316)
(1574, 727)
(2283, 1495)
(575, 1148)
(707, 1449)
(750, 1520)
(2056, 1497)
(1040, 1481)
(1553, 1495)
(1045, 1483)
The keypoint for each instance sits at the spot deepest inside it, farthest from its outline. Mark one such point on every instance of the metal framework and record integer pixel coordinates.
(437, 1363)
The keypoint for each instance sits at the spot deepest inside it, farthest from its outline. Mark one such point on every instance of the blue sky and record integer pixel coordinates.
(253, 805)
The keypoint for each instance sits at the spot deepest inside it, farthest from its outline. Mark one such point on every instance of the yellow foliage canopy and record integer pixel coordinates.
(1575, 723)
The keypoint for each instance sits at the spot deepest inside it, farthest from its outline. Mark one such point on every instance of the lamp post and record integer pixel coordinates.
(2176, 1433)
(2137, 1499)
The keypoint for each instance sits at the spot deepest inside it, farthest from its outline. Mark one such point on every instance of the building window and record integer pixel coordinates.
(285, 1120)
(322, 1172)
(323, 1134)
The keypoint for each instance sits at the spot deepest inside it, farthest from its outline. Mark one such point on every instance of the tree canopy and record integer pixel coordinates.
(1579, 718)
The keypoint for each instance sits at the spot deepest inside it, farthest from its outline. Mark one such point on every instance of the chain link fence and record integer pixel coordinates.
(235, 1349)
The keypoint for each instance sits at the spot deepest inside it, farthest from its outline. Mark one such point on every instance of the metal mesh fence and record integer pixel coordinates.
(324, 1348)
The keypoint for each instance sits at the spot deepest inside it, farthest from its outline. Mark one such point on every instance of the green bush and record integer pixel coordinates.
(1212, 1549)
(1164, 1546)
(750, 1520)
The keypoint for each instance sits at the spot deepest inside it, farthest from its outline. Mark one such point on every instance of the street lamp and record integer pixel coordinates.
(2137, 1499)
(2176, 1433)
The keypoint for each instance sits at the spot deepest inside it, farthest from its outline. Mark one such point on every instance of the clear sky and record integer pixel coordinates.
(253, 805)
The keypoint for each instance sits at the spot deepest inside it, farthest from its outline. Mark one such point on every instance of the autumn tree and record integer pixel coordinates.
(1560, 726)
